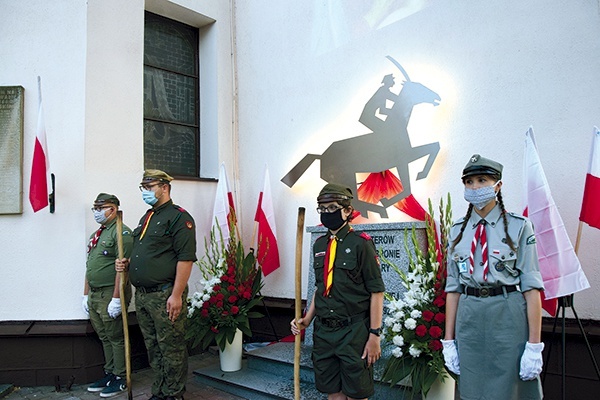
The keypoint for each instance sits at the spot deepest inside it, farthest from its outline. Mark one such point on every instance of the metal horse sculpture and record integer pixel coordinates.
(387, 147)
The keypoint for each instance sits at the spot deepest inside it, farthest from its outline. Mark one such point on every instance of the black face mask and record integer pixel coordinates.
(333, 221)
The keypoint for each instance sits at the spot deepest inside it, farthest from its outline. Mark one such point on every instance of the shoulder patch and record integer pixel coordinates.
(365, 236)
(518, 216)
(531, 239)
(189, 224)
(180, 209)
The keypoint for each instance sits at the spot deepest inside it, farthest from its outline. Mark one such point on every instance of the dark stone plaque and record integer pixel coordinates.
(11, 149)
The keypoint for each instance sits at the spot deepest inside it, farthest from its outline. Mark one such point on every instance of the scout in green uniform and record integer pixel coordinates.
(493, 307)
(164, 251)
(101, 294)
(347, 304)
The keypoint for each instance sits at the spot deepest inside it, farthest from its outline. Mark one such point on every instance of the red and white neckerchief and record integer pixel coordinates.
(480, 238)
(94, 240)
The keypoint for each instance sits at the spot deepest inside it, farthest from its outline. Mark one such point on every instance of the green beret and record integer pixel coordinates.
(151, 175)
(478, 165)
(332, 192)
(105, 198)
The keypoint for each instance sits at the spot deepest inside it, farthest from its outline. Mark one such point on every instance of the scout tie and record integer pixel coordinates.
(94, 241)
(145, 224)
(481, 238)
(329, 261)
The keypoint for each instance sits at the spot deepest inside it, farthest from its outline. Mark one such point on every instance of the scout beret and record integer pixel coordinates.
(478, 165)
(105, 198)
(333, 191)
(151, 175)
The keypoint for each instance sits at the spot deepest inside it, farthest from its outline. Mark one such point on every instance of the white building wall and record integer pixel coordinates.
(307, 69)
(304, 72)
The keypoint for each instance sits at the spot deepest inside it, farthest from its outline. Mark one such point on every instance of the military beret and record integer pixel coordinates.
(478, 165)
(105, 198)
(151, 175)
(332, 192)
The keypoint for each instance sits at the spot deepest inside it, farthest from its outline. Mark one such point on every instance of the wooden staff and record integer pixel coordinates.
(298, 303)
(122, 286)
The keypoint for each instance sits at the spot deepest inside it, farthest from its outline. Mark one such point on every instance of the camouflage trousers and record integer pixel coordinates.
(109, 330)
(165, 341)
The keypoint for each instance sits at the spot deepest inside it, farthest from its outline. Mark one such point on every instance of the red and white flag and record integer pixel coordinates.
(267, 250)
(38, 185)
(224, 209)
(590, 207)
(559, 264)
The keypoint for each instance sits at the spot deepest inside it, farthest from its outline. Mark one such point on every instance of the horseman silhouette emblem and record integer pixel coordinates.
(385, 148)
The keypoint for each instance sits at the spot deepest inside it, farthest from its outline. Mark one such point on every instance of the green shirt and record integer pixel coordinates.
(100, 265)
(169, 237)
(356, 274)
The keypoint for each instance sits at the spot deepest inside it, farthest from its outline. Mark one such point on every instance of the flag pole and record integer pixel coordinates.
(298, 302)
(578, 238)
(122, 285)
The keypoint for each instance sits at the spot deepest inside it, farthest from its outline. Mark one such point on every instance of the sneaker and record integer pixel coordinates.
(116, 386)
(101, 384)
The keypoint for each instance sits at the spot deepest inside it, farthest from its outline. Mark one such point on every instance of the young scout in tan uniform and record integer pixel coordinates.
(101, 295)
(164, 251)
(493, 307)
(347, 304)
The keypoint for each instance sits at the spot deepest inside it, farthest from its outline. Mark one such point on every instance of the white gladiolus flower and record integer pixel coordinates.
(410, 324)
(206, 297)
(397, 328)
(398, 340)
(414, 351)
(397, 352)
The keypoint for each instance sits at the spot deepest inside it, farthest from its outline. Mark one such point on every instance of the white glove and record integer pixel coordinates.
(531, 361)
(84, 305)
(114, 307)
(450, 354)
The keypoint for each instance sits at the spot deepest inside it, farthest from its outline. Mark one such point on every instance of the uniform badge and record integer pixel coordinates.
(531, 239)
(320, 254)
(189, 224)
(347, 250)
(105, 253)
(500, 266)
(462, 267)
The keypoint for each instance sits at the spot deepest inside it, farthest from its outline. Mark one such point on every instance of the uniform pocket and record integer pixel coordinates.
(351, 269)
(504, 262)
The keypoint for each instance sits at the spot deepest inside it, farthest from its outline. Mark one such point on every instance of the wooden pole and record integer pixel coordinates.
(578, 238)
(122, 283)
(298, 303)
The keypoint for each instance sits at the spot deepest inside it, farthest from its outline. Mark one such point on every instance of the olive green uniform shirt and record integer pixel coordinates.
(170, 237)
(100, 265)
(356, 274)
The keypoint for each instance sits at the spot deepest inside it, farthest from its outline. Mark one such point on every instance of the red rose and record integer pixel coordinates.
(212, 300)
(428, 315)
(231, 289)
(435, 332)
(214, 329)
(205, 305)
(241, 288)
(439, 301)
(235, 310)
(230, 270)
(216, 288)
(232, 299)
(435, 345)
(204, 312)
(225, 313)
(247, 295)
(220, 296)
(219, 304)
(440, 318)
(421, 330)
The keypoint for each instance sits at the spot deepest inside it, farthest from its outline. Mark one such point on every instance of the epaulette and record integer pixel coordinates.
(516, 215)
(365, 236)
(178, 208)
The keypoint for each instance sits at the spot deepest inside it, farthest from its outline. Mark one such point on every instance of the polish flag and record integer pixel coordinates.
(224, 209)
(590, 207)
(268, 252)
(559, 265)
(38, 185)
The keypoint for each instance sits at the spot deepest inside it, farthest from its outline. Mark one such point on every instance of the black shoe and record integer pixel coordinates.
(156, 398)
(101, 384)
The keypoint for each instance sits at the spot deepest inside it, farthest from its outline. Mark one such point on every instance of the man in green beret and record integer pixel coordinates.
(164, 251)
(347, 304)
(101, 293)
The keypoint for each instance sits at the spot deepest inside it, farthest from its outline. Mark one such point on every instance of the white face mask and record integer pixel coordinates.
(100, 216)
(482, 196)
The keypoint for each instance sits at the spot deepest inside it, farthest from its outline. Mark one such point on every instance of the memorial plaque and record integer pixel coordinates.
(389, 240)
(11, 149)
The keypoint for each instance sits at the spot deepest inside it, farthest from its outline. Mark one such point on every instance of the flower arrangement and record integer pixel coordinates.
(231, 283)
(414, 325)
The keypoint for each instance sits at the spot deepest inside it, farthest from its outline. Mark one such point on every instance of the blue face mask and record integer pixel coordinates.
(482, 196)
(100, 216)
(149, 197)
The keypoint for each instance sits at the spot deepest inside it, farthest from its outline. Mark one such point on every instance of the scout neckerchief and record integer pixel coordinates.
(146, 223)
(329, 261)
(94, 240)
(480, 238)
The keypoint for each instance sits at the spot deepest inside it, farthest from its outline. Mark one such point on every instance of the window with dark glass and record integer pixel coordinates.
(171, 105)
